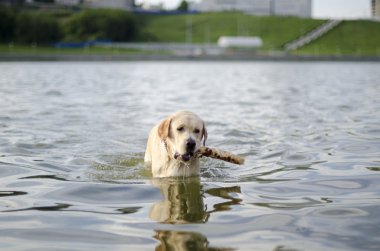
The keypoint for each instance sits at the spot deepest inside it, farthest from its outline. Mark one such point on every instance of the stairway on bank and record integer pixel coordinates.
(311, 36)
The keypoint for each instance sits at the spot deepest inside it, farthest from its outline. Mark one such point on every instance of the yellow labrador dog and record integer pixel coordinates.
(172, 144)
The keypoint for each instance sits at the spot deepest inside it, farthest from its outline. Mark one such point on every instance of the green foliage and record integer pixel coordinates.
(183, 6)
(116, 25)
(7, 24)
(36, 27)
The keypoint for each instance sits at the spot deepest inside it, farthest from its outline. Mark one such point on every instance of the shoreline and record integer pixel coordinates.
(157, 57)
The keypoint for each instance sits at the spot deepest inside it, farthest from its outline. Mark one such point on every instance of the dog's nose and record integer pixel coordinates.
(190, 145)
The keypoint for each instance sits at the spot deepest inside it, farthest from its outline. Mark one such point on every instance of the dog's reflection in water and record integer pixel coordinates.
(183, 202)
(184, 241)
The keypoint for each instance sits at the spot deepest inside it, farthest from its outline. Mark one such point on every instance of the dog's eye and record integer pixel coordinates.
(197, 131)
(180, 129)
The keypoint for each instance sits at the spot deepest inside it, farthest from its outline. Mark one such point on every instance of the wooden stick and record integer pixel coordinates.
(220, 154)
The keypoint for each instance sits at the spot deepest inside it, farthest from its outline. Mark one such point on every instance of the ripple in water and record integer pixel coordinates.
(299, 160)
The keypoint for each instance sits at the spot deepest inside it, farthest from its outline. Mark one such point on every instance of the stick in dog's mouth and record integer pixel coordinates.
(212, 153)
(219, 154)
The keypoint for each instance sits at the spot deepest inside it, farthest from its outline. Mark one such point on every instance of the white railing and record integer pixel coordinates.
(311, 36)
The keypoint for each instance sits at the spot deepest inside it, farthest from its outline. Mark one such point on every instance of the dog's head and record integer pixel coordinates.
(183, 133)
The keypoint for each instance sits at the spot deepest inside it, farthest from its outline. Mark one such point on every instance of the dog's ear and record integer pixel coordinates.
(204, 134)
(164, 128)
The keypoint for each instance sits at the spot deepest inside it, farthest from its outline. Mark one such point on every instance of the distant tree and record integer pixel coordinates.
(138, 5)
(37, 28)
(7, 24)
(14, 3)
(183, 6)
(112, 24)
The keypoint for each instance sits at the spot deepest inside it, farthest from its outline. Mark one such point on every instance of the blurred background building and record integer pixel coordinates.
(117, 4)
(68, 2)
(376, 8)
(300, 8)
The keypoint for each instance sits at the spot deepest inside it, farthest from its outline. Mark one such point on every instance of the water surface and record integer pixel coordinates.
(72, 139)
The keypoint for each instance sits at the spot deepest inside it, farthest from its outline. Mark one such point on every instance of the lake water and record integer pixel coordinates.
(72, 139)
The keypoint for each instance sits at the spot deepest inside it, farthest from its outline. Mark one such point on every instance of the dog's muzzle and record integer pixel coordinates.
(190, 148)
(183, 157)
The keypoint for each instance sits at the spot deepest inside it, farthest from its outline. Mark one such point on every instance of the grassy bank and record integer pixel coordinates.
(208, 27)
(361, 38)
(358, 38)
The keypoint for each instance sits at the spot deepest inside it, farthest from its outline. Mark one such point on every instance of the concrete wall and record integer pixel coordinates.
(300, 8)
(117, 4)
